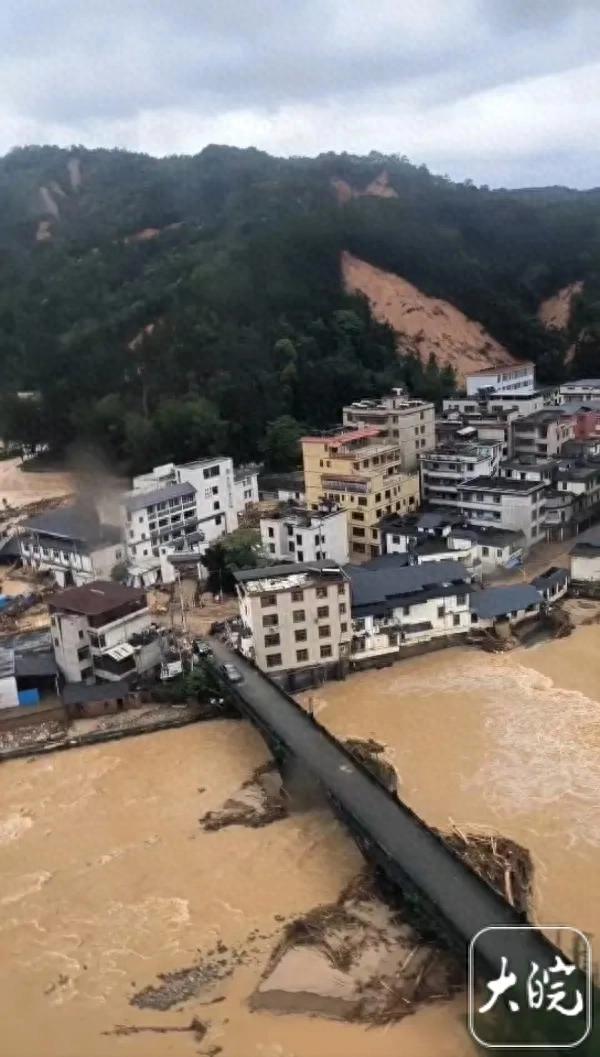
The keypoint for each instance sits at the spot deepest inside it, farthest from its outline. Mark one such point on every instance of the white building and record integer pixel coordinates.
(582, 389)
(245, 486)
(395, 605)
(102, 631)
(433, 536)
(585, 557)
(72, 544)
(516, 377)
(301, 535)
(511, 604)
(506, 503)
(214, 484)
(158, 522)
(283, 487)
(446, 468)
(295, 618)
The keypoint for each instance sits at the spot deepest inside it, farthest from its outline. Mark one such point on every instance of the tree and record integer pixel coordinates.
(241, 549)
(281, 446)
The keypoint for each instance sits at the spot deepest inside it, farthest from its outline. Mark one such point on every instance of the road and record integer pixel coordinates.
(404, 845)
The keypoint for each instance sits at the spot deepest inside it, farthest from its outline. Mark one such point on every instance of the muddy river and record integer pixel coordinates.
(107, 880)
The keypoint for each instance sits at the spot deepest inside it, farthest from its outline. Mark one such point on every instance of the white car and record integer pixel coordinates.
(232, 673)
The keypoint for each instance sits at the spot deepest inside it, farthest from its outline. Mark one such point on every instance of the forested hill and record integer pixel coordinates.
(163, 308)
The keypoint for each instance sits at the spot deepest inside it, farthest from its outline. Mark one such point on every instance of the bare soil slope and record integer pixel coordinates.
(422, 323)
(555, 311)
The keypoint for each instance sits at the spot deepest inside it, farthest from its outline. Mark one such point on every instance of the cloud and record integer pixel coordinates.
(498, 90)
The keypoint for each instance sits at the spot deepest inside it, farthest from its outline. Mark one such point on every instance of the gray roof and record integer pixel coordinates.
(141, 500)
(73, 523)
(499, 484)
(593, 382)
(80, 693)
(552, 576)
(35, 663)
(373, 584)
(488, 534)
(9, 547)
(293, 481)
(267, 572)
(577, 472)
(588, 542)
(498, 601)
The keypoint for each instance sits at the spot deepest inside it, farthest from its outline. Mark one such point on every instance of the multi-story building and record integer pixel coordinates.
(516, 377)
(245, 483)
(164, 517)
(453, 427)
(445, 469)
(585, 558)
(505, 502)
(217, 498)
(362, 473)
(542, 434)
(403, 421)
(103, 630)
(494, 404)
(435, 536)
(581, 389)
(72, 544)
(298, 534)
(395, 605)
(295, 618)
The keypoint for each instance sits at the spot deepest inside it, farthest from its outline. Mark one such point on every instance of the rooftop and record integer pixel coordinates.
(249, 470)
(540, 418)
(292, 481)
(489, 534)
(196, 463)
(381, 581)
(589, 383)
(588, 542)
(73, 523)
(499, 484)
(140, 500)
(285, 577)
(82, 693)
(96, 598)
(577, 471)
(460, 449)
(422, 522)
(347, 436)
(521, 465)
(553, 575)
(499, 601)
(500, 368)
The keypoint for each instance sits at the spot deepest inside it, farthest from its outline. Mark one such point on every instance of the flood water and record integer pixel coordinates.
(106, 879)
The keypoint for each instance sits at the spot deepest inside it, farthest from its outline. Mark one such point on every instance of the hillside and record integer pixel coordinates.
(165, 307)
(423, 325)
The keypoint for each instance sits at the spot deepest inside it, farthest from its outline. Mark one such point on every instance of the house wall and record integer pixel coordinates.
(517, 511)
(333, 596)
(327, 537)
(583, 568)
(374, 641)
(515, 617)
(505, 380)
(9, 697)
(215, 494)
(70, 636)
(245, 491)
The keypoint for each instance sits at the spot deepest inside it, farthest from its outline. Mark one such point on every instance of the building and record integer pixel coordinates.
(403, 421)
(504, 502)
(516, 377)
(510, 604)
(27, 672)
(552, 585)
(395, 605)
(157, 523)
(542, 434)
(445, 469)
(295, 618)
(527, 470)
(213, 481)
(518, 403)
(282, 487)
(103, 630)
(453, 428)
(298, 534)
(583, 389)
(72, 544)
(437, 536)
(585, 558)
(360, 471)
(97, 699)
(573, 501)
(245, 485)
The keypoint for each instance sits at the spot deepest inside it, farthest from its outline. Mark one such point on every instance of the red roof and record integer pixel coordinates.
(344, 438)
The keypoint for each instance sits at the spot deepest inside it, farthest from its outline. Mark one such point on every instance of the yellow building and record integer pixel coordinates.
(362, 471)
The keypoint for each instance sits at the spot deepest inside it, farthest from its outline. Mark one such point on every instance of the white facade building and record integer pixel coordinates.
(245, 485)
(445, 469)
(585, 557)
(102, 631)
(582, 389)
(516, 377)
(302, 535)
(505, 503)
(72, 544)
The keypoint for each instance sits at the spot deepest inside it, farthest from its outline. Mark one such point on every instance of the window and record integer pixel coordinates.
(216, 505)
(56, 642)
(324, 631)
(321, 592)
(343, 628)
(326, 651)
(322, 612)
(456, 619)
(271, 531)
(485, 551)
(300, 635)
(341, 589)
(80, 634)
(272, 640)
(215, 489)
(290, 530)
(297, 596)
(406, 611)
(362, 501)
(342, 607)
(271, 548)
(441, 611)
(268, 600)
(210, 471)
(359, 548)
(301, 655)
(357, 531)
(300, 556)
(460, 600)
(270, 621)
(273, 660)
(299, 616)
(298, 539)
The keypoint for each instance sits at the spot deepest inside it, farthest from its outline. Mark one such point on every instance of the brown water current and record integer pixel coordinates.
(107, 880)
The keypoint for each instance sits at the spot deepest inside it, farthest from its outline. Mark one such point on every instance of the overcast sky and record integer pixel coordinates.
(505, 92)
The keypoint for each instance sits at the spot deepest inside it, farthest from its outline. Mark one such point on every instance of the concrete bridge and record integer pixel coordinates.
(446, 897)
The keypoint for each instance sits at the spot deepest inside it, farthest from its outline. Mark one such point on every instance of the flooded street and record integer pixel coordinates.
(107, 879)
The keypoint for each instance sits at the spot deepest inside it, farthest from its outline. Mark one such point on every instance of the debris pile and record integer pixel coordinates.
(259, 801)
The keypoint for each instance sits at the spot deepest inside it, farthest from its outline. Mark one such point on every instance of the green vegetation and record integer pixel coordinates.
(229, 329)
(241, 549)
